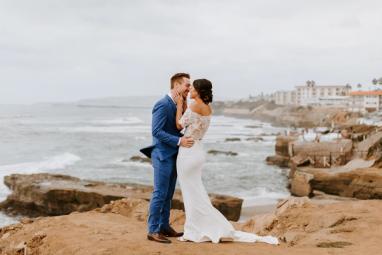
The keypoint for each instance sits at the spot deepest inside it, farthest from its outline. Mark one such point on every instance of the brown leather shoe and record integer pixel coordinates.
(158, 237)
(170, 232)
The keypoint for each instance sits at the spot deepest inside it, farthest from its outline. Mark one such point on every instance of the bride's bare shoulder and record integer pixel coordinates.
(195, 107)
(201, 109)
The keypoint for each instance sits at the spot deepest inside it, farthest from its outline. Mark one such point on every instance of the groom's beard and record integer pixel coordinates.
(184, 103)
(175, 98)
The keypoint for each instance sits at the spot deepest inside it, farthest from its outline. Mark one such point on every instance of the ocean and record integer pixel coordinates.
(94, 139)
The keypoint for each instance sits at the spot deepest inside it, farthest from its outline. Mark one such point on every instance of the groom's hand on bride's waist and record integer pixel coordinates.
(186, 142)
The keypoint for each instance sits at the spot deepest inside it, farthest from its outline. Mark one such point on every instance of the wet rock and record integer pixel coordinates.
(269, 134)
(255, 139)
(138, 159)
(233, 139)
(253, 126)
(227, 153)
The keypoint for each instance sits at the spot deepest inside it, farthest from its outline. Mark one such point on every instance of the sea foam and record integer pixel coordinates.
(56, 162)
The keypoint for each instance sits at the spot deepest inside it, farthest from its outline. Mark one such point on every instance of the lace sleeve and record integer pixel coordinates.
(195, 125)
(185, 119)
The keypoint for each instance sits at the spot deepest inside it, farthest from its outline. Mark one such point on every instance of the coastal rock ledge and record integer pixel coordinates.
(52, 194)
(361, 183)
(119, 228)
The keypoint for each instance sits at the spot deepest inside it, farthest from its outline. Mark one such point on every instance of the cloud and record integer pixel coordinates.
(54, 50)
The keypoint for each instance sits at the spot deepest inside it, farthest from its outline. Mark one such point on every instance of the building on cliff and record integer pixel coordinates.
(328, 95)
(365, 101)
(285, 97)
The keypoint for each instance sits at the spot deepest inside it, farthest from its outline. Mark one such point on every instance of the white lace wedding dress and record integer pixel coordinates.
(203, 222)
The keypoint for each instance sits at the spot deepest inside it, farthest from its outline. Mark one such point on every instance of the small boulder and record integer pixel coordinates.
(227, 153)
(255, 139)
(300, 184)
(234, 139)
(138, 159)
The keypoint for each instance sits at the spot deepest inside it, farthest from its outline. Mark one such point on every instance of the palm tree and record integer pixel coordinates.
(380, 81)
(359, 85)
(375, 81)
(308, 83)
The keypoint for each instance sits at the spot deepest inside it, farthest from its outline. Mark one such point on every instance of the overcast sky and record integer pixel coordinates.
(54, 50)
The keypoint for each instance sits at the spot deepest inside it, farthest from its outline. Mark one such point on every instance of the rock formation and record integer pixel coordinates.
(361, 183)
(49, 194)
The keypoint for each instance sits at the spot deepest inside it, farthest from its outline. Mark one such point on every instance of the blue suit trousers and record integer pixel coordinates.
(164, 187)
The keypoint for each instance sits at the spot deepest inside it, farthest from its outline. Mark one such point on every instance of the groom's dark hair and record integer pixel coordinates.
(178, 76)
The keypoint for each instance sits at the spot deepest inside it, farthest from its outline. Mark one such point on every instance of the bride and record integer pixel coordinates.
(203, 222)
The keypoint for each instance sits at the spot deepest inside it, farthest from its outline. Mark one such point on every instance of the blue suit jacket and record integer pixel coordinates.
(163, 129)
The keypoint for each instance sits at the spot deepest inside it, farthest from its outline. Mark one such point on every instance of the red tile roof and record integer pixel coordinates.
(366, 93)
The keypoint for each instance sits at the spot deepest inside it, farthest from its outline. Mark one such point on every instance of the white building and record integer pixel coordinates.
(285, 97)
(261, 97)
(337, 101)
(312, 94)
(365, 101)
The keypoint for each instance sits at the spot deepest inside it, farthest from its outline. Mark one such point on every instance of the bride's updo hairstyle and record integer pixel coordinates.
(204, 89)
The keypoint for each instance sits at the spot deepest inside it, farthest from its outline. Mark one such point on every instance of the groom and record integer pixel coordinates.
(166, 141)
